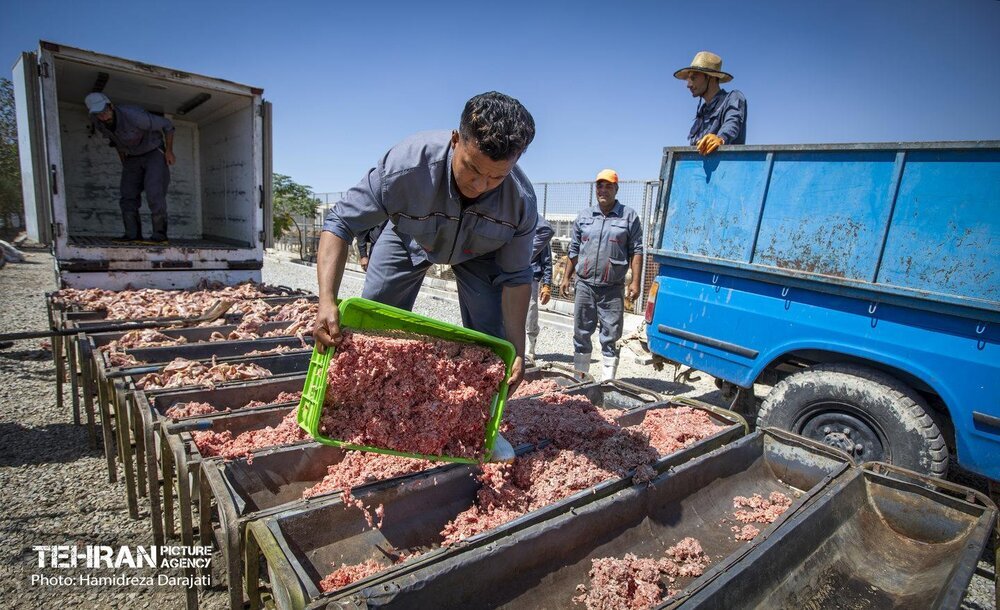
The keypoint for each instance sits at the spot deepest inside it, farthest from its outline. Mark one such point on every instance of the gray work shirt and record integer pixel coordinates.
(603, 246)
(412, 186)
(725, 116)
(137, 131)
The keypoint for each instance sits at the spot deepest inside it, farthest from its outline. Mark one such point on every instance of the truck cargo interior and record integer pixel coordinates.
(212, 196)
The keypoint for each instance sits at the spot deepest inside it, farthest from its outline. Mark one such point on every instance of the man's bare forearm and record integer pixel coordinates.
(330, 262)
(514, 304)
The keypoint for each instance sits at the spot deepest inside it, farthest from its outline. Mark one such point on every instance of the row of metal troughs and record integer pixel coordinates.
(854, 535)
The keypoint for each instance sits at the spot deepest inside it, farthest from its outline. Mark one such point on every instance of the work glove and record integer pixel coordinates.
(545, 294)
(503, 451)
(709, 143)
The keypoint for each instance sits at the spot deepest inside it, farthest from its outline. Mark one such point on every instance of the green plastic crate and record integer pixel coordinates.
(362, 314)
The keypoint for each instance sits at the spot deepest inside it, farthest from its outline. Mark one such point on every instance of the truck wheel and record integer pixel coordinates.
(868, 414)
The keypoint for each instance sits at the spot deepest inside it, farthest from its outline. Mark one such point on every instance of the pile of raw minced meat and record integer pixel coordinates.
(415, 394)
(154, 303)
(587, 447)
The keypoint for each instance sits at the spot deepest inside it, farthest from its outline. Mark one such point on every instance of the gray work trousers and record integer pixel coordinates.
(147, 172)
(598, 306)
(532, 321)
(392, 278)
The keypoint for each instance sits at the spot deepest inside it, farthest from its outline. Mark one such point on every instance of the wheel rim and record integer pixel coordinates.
(845, 427)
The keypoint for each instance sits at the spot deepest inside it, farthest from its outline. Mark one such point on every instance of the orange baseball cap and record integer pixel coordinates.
(607, 174)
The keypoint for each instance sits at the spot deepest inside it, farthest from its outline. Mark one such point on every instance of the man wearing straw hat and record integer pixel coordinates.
(722, 115)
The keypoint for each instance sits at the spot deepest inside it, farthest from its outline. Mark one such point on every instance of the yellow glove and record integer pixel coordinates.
(709, 143)
(545, 294)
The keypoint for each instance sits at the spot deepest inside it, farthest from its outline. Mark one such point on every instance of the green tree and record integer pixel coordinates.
(292, 202)
(10, 167)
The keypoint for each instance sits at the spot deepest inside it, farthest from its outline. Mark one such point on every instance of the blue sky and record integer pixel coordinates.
(348, 80)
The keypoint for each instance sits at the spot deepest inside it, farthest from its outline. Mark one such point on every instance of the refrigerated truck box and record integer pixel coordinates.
(219, 198)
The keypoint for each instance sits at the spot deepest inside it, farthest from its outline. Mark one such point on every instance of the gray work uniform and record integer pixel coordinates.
(366, 240)
(541, 269)
(725, 116)
(603, 247)
(138, 135)
(488, 242)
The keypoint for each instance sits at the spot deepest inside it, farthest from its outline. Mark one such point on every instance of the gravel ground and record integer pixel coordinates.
(54, 488)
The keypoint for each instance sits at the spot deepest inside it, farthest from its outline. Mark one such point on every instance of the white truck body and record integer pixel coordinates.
(219, 199)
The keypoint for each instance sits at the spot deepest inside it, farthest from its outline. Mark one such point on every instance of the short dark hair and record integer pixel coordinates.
(499, 124)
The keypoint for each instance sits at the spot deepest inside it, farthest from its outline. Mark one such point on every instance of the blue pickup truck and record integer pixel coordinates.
(860, 281)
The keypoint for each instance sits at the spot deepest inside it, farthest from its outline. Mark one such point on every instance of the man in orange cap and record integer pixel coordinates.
(606, 241)
(722, 115)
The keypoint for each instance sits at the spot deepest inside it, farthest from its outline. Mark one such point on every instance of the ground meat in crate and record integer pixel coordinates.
(411, 394)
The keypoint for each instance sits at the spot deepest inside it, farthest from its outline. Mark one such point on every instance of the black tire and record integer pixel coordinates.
(869, 414)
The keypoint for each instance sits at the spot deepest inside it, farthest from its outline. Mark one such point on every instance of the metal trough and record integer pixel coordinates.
(564, 375)
(274, 481)
(882, 537)
(117, 396)
(541, 565)
(301, 546)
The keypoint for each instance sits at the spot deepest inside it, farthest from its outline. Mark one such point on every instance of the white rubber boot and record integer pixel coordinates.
(581, 364)
(531, 347)
(609, 368)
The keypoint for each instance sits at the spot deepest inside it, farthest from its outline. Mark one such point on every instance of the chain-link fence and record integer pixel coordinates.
(559, 202)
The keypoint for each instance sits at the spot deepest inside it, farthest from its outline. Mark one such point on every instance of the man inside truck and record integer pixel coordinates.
(455, 198)
(606, 241)
(722, 115)
(145, 145)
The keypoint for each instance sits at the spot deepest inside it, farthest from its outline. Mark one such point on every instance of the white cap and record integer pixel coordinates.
(96, 102)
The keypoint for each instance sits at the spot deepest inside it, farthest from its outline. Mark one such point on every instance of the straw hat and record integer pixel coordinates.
(706, 63)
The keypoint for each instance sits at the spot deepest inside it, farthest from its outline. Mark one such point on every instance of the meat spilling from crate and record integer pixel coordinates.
(196, 409)
(562, 418)
(538, 386)
(154, 303)
(359, 468)
(638, 583)
(182, 372)
(225, 445)
(411, 394)
(544, 477)
(586, 450)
